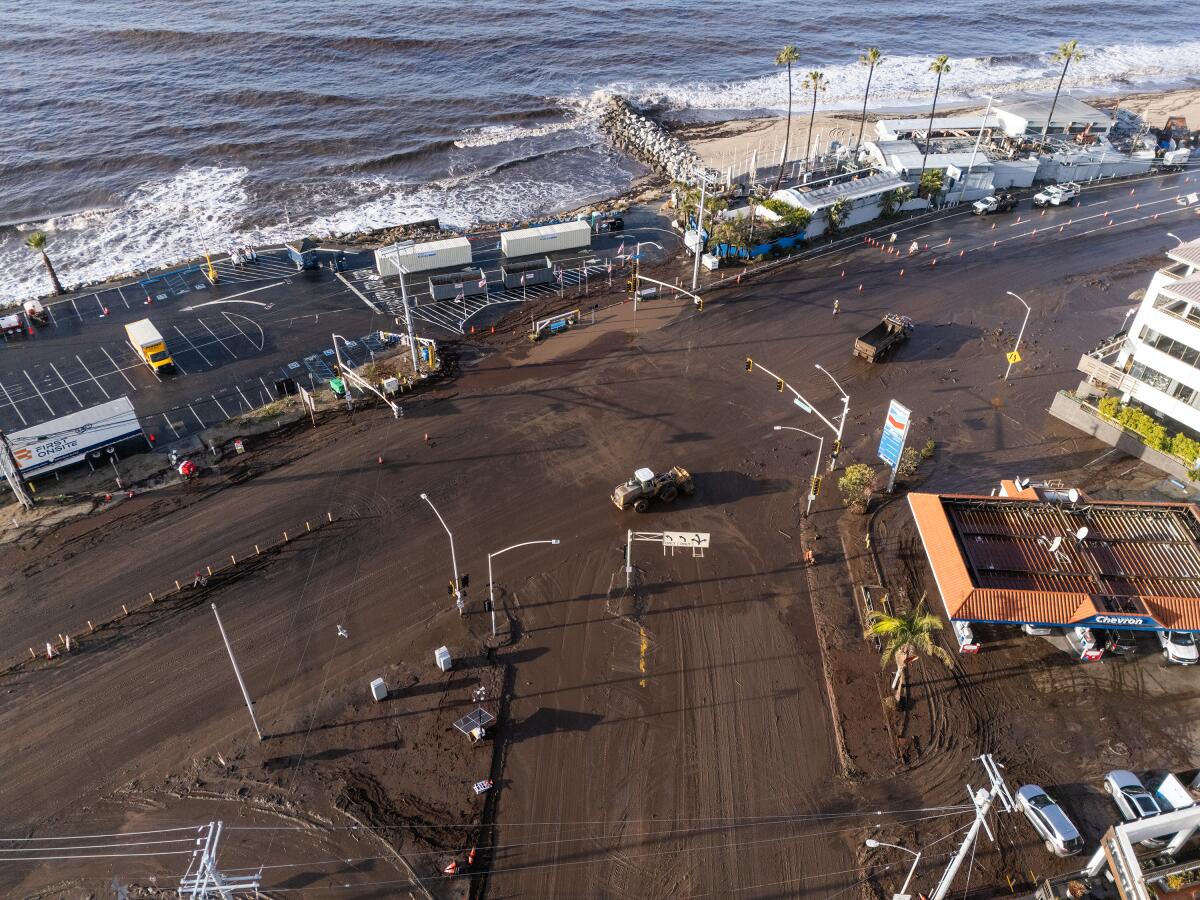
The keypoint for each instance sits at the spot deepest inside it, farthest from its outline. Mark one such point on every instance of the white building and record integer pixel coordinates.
(864, 194)
(1158, 363)
(1025, 115)
(943, 126)
(906, 157)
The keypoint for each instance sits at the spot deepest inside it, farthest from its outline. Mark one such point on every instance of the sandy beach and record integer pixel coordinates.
(734, 142)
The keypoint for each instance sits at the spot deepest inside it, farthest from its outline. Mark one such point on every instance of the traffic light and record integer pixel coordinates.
(449, 588)
(700, 304)
(815, 485)
(464, 581)
(749, 364)
(837, 448)
(629, 285)
(779, 385)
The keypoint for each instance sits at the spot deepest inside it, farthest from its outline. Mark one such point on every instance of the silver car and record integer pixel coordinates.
(1048, 819)
(1132, 798)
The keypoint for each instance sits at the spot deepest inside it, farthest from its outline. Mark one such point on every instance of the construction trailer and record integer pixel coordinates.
(527, 273)
(546, 239)
(457, 285)
(69, 439)
(410, 257)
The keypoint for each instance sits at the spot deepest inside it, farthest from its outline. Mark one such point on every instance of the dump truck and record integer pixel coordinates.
(148, 344)
(1001, 201)
(646, 486)
(1057, 195)
(883, 338)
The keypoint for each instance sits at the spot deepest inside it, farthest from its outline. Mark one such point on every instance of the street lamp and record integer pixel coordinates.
(1177, 237)
(458, 600)
(1020, 334)
(491, 592)
(978, 138)
(816, 465)
(637, 269)
(872, 843)
(841, 422)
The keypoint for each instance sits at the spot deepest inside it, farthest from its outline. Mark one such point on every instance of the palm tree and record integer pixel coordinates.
(786, 57)
(871, 58)
(814, 81)
(941, 66)
(905, 635)
(1066, 54)
(37, 243)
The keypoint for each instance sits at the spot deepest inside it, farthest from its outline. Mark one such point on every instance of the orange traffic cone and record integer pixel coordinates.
(901, 273)
(379, 459)
(471, 857)
(860, 288)
(450, 869)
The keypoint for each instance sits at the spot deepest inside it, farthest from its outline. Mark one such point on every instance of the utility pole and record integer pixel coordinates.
(983, 800)
(699, 220)
(8, 465)
(408, 326)
(203, 880)
(238, 673)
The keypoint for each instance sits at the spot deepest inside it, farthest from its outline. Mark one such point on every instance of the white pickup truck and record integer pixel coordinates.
(1057, 195)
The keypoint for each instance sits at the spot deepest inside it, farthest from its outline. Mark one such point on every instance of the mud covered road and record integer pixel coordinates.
(670, 741)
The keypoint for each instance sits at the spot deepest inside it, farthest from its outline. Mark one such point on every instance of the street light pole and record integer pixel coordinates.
(458, 600)
(238, 673)
(699, 220)
(408, 325)
(342, 372)
(1021, 333)
(842, 421)
(978, 138)
(871, 842)
(816, 464)
(491, 591)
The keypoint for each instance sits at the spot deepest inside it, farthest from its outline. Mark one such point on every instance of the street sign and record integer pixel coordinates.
(1013, 357)
(895, 430)
(804, 406)
(685, 539)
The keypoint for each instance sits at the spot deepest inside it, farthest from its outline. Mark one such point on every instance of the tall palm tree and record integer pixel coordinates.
(37, 243)
(816, 82)
(905, 635)
(871, 58)
(941, 66)
(786, 57)
(1066, 54)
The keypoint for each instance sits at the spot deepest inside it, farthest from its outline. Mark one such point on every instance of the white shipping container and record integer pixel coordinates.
(68, 439)
(448, 254)
(546, 239)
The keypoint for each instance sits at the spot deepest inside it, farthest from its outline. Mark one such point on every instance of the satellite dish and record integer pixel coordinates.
(1055, 543)
(1073, 495)
(1081, 533)
(1022, 483)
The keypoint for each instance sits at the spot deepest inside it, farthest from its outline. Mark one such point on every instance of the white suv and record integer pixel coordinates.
(1179, 647)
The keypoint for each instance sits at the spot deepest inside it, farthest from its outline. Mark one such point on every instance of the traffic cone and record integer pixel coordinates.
(933, 262)
(1033, 233)
(107, 498)
(1131, 192)
(901, 273)
(472, 329)
(451, 869)
(860, 288)
(427, 437)
(843, 273)
(493, 329)
(994, 243)
(1155, 216)
(961, 252)
(927, 246)
(49, 650)
(379, 459)
(151, 438)
(993, 226)
(129, 495)
(471, 857)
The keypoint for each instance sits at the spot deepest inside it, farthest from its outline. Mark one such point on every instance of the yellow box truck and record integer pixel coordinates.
(149, 345)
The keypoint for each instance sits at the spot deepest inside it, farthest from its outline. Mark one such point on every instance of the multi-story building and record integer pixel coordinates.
(1157, 358)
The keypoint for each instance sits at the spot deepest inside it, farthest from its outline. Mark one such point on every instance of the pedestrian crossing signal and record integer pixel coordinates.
(815, 485)
(749, 364)
(779, 385)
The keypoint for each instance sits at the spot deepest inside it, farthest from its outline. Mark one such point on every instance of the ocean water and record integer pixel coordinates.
(138, 132)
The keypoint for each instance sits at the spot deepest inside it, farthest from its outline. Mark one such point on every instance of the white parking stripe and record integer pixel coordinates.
(16, 408)
(198, 419)
(76, 309)
(39, 393)
(93, 377)
(50, 309)
(123, 300)
(219, 341)
(247, 402)
(219, 406)
(169, 425)
(67, 386)
(193, 346)
(98, 303)
(118, 369)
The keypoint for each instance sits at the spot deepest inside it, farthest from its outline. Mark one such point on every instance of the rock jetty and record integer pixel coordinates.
(648, 141)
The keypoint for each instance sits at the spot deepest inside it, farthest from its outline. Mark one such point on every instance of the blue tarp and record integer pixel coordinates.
(725, 251)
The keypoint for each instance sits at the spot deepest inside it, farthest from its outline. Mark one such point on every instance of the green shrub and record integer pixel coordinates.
(856, 484)
(836, 214)
(910, 461)
(1108, 407)
(927, 452)
(1185, 448)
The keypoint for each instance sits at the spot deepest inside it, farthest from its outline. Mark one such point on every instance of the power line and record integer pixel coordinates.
(186, 840)
(89, 837)
(98, 856)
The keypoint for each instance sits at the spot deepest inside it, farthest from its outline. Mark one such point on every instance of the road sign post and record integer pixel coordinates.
(895, 433)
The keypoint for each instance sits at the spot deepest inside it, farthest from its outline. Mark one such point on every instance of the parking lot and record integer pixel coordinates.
(230, 342)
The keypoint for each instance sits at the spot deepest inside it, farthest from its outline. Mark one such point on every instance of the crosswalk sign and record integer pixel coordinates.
(1013, 357)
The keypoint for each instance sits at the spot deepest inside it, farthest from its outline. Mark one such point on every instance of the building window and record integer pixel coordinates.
(1151, 377)
(1183, 393)
(1173, 348)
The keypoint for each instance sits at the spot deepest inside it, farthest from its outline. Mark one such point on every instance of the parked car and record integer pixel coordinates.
(1048, 819)
(1001, 201)
(1057, 195)
(1119, 641)
(1132, 799)
(1179, 647)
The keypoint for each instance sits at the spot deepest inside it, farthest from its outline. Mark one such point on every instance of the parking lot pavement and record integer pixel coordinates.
(230, 343)
(453, 315)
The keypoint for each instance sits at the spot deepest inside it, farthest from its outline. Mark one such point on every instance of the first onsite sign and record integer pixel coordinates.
(895, 430)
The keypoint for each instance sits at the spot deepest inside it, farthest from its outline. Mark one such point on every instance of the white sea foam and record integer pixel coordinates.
(582, 113)
(906, 80)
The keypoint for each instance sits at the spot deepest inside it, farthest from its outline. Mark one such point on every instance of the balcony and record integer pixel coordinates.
(1101, 373)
